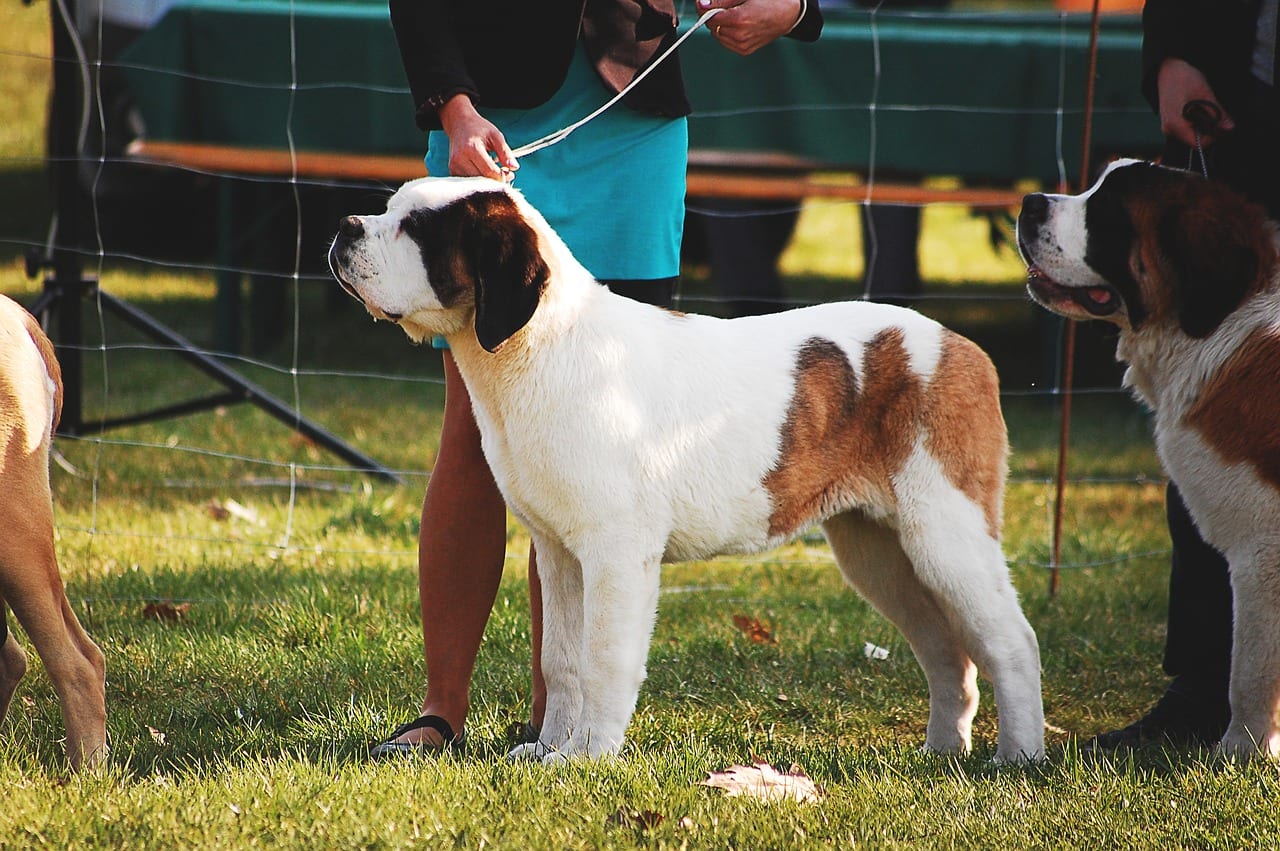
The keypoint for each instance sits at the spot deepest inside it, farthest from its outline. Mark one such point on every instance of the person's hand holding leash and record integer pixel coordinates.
(1180, 84)
(745, 26)
(474, 142)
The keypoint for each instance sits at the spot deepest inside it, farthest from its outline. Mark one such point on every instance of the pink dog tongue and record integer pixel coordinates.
(1100, 295)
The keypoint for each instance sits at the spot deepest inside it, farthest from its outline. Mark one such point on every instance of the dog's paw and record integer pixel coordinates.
(1235, 751)
(1020, 758)
(556, 758)
(950, 749)
(539, 752)
(1238, 745)
(529, 752)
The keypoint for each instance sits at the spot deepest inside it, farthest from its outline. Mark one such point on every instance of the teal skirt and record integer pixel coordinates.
(613, 190)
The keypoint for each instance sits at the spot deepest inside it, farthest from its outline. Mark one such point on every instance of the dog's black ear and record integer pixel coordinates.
(510, 274)
(1215, 254)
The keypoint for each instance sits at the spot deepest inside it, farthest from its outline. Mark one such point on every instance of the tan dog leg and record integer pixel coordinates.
(30, 404)
(13, 665)
(32, 586)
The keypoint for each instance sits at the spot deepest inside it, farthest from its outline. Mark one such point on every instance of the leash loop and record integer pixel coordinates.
(559, 135)
(1204, 117)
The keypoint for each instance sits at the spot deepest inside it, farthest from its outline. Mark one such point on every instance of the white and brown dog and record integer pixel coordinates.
(623, 435)
(1187, 270)
(30, 583)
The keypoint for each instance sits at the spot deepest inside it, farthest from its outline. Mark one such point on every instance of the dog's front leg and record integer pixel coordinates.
(72, 661)
(561, 579)
(13, 666)
(620, 602)
(1255, 661)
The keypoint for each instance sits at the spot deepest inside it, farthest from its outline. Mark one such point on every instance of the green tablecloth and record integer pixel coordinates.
(986, 97)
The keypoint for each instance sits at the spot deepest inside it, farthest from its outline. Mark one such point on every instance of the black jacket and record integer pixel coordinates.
(516, 53)
(1215, 36)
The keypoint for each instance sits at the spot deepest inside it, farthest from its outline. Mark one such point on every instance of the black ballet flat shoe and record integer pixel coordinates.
(1175, 721)
(391, 749)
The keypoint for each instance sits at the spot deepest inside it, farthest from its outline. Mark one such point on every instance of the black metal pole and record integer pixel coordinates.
(66, 285)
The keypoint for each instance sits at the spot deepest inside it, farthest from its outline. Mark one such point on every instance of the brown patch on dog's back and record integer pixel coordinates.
(841, 441)
(965, 428)
(1236, 413)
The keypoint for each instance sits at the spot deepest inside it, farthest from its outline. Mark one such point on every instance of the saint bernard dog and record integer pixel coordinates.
(30, 583)
(1187, 270)
(623, 436)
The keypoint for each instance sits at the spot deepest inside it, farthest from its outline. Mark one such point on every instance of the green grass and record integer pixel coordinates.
(246, 723)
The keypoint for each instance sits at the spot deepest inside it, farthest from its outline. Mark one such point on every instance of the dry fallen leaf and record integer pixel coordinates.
(764, 781)
(754, 630)
(166, 612)
(242, 512)
(229, 508)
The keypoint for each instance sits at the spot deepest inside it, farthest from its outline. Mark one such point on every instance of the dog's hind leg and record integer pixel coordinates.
(872, 560)
(13, 663)
(33, 588)
(963, 566)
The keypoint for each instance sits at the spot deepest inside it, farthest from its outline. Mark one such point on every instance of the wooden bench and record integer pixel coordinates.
(712, 174)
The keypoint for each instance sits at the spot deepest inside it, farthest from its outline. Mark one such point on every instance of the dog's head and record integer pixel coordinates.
(1146, 246)
(448, 252)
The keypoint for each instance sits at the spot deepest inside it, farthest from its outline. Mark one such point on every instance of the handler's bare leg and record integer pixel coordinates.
(461, 551)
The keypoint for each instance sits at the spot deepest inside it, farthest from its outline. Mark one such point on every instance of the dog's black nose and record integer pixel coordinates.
(351, 227)
(1035, 209)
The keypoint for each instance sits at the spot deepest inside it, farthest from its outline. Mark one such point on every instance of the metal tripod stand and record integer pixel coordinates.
(66, 286)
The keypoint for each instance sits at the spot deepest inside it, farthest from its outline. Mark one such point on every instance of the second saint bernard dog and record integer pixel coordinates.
(623, 436)
(1187, 270)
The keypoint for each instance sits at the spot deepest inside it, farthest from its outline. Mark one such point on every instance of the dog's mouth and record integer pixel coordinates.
(346, 285)
(336, 269)
(1097, 301)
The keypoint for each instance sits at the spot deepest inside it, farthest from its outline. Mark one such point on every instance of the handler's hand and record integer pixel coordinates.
(745, 26)
(1178, 83)
(474, 142)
